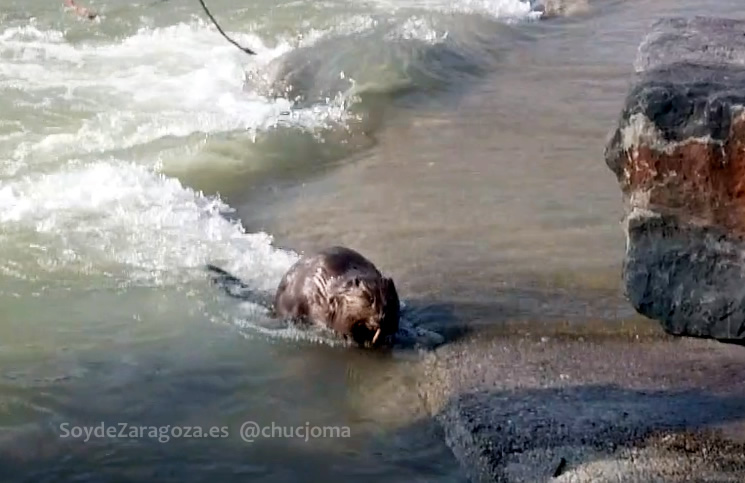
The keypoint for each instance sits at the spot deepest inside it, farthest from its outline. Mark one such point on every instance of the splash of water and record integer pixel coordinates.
(116, 217)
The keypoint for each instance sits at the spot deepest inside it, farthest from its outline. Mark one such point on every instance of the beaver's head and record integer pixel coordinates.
(366, 309)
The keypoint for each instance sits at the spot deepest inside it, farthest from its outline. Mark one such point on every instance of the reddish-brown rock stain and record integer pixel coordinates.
(695, 180)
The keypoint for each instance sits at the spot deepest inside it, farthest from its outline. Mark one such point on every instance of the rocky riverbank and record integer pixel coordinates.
(594, 409)
(679, 157)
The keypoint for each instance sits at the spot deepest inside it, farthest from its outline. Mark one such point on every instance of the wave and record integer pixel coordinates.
(171, 81)
(184, 79)
(116, 219)
(426, 47)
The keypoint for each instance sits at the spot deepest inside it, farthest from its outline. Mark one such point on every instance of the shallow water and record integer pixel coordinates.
(458, 144)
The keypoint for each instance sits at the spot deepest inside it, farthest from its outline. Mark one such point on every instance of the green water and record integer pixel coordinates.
(128, 142)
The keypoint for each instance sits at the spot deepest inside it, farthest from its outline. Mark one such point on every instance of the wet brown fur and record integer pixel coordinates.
(340, 289)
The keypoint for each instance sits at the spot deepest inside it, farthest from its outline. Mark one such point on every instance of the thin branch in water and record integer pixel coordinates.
(206, 10)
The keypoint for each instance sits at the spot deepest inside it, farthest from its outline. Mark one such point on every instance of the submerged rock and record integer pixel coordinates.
(679, 156)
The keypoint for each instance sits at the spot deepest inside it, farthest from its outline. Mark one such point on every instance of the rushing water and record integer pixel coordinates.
(457, 143)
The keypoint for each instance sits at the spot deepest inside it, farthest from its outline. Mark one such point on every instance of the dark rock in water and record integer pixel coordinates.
(679, 156)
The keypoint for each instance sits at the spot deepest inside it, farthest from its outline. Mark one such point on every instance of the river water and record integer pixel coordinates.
(457, 144)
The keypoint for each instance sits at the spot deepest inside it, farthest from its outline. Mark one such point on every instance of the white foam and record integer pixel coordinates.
(254, 320)
(171, 81)
(118, 218)
(507, 10)
(501, 9)
(417, 28)
(310, 334)
(340, 25)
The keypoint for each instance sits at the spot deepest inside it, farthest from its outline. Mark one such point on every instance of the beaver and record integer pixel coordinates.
(336, 288)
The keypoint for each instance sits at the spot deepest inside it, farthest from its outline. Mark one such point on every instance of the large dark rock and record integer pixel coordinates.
(679, 156)
(526, 409)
